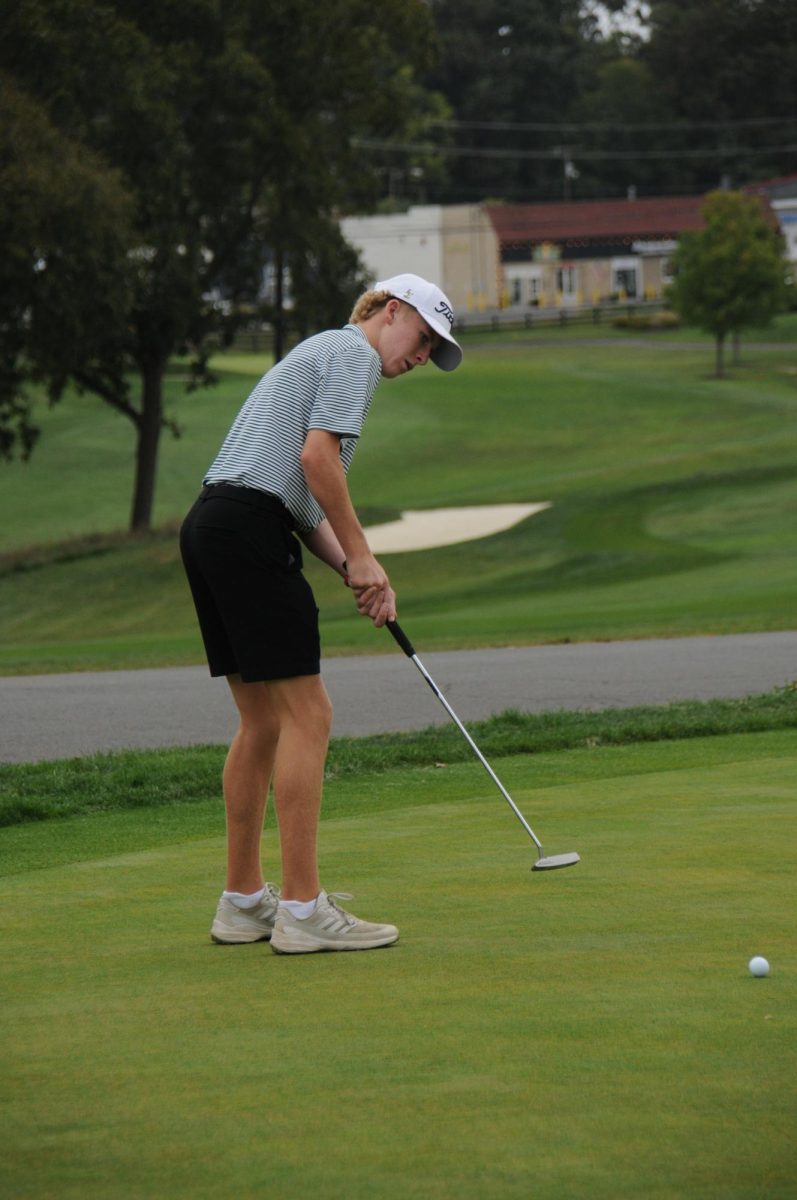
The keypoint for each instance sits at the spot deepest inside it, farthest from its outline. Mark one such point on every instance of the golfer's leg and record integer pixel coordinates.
(305, 720)
(247, 774)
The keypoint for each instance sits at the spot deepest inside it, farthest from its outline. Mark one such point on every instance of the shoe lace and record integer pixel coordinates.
(332, 897)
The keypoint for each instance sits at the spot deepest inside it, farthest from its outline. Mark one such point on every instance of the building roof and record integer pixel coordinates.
(600, 220)
(782, 188)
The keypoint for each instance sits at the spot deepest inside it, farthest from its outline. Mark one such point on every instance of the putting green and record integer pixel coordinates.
(585, 1033)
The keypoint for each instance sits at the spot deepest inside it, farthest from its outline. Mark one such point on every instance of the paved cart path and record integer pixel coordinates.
(64, 716)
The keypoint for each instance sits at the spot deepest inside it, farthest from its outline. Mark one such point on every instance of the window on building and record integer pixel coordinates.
(625, 281)
(566, 280)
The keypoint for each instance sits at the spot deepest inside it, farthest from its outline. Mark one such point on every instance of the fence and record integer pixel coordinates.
(258, 339)
(521, 317)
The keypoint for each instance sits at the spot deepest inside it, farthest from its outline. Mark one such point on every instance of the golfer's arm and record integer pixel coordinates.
(326, 479)
(324, 545)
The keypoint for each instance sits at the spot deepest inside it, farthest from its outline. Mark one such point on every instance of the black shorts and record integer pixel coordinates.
(257, 613)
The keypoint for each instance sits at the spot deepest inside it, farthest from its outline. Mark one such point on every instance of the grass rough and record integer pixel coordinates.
(150, 779)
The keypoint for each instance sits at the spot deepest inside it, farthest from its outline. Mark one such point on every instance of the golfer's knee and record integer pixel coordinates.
(260, 730)
(303, 706)
(320, 715)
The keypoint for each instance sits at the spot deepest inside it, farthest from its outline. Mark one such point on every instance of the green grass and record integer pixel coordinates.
(783, 329)
(588, 1033)
(164, 778)
(674, 505)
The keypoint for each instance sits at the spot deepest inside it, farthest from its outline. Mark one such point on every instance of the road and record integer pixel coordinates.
(65, 716)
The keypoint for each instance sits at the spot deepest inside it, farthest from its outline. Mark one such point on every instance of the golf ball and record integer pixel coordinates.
(758, 966)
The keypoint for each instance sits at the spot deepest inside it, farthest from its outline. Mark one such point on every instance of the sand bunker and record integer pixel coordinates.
(429, 528)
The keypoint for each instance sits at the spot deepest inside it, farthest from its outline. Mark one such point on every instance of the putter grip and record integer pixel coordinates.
(401, 638)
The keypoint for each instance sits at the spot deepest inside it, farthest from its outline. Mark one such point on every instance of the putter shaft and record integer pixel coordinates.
(406, 645)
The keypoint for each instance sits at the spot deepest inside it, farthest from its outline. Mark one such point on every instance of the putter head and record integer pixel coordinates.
(553, 861)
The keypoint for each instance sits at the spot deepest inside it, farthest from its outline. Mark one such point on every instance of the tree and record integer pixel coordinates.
(674, 97)
(229, 126)
(504, 62)
(730, 274)
(64, 289)
(727, 72)
(621, 106)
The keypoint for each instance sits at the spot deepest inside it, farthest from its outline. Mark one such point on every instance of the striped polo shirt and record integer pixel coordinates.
(326, 382)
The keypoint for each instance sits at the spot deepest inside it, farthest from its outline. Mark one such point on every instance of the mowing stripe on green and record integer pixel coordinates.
(587, 1033)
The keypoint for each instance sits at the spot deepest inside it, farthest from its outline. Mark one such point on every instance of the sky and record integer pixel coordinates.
(631, 20)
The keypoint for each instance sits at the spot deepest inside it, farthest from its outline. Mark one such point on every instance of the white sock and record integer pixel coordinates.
(240, 900)
(301, 909)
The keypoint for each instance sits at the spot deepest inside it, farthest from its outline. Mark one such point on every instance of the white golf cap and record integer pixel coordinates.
(434, 307)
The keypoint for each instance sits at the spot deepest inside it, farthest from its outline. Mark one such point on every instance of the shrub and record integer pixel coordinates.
(647, 321)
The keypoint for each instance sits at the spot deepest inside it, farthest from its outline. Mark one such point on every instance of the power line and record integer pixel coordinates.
(578, 126)
(572, 152)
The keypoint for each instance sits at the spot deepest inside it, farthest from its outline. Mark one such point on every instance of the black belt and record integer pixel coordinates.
(253, 497)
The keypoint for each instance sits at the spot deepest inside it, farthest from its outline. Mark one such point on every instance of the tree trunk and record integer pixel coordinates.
(279, 310)
(148, 428)
(720, 373)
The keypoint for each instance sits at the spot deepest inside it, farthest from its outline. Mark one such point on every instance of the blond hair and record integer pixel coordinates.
(368, 304)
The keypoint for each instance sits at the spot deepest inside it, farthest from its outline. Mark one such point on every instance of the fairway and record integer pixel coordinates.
(592, 1033)
(673, 503)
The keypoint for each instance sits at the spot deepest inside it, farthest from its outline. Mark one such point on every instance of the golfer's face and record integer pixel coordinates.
(408, 343)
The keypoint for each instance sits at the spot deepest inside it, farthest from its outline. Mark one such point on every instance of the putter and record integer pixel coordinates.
(544, 862)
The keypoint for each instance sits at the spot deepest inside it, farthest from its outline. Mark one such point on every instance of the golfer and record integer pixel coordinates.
(281, 474)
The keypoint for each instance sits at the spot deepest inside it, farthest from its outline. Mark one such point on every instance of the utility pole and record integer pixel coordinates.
(569, 170)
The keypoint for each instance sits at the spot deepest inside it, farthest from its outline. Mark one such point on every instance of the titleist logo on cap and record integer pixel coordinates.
(446, 310)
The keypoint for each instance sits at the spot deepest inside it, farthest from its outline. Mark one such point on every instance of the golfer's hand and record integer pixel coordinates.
(381, 608)
(374, 596)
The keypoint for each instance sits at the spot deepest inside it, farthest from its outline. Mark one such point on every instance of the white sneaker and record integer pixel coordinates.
(329, 927)
(233, 925)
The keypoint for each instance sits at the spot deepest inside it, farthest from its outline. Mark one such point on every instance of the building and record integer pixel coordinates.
(559, 255)
(455, 245)
(782, 197)
(590, 251)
